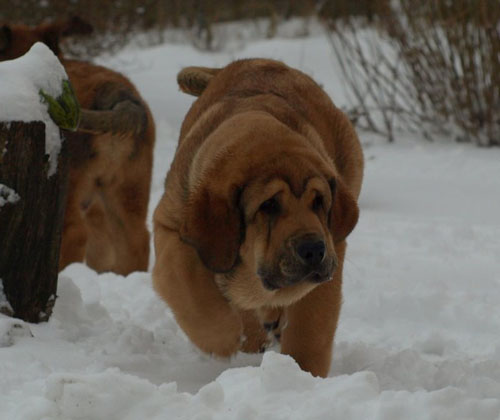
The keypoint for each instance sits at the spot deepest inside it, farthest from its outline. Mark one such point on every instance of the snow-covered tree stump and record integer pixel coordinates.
(31, 220)
(33, 179)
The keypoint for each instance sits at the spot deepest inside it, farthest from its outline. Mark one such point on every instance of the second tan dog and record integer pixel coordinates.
(111, 158)
(250, 233)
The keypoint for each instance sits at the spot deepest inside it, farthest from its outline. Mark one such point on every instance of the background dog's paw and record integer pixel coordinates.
(256, 343)
(273, 321)
(257, 338)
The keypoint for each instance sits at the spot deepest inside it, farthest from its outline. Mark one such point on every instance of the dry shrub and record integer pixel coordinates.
(434, 67)
(341, 9)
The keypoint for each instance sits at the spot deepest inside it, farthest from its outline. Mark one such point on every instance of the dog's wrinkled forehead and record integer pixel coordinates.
(267, 187)
(295, 171)
(297, 186)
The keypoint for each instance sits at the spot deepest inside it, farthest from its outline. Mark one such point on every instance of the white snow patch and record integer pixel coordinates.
(8, 195)
(20, 82)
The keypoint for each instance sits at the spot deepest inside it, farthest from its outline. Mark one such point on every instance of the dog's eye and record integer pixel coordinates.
(317, 203)
(271, 206)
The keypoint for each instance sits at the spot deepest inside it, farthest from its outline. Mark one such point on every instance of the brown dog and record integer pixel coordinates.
(250, 232)
(111, 158)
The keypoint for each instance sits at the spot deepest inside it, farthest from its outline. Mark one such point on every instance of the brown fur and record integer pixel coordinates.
(110, 175)
(266, 165)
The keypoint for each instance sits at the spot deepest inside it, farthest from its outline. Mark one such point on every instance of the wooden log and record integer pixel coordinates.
(31, 227)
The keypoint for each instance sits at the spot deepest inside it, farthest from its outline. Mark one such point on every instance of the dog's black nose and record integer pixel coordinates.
(311, 252)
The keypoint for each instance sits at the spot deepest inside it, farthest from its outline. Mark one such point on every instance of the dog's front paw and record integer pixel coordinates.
(222, 339)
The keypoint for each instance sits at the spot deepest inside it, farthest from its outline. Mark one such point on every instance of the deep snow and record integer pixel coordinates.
(419, 334)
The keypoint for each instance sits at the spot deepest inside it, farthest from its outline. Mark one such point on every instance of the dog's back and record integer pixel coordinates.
(235, 88)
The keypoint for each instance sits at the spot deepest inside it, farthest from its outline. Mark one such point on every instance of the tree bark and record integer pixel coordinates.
(31, 227)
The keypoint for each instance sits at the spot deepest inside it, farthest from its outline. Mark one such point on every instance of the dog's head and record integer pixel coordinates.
(268, 213)
(16, 40)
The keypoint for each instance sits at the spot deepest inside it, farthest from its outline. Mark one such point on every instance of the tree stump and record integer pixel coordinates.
(31, 222)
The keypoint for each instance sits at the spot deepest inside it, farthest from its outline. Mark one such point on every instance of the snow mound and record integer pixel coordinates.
(277, 390)
(20, 82)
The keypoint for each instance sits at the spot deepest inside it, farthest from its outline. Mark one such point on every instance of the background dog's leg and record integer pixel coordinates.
(74, 236)
(99, 253)
(127, 211)
(190, 290)
(312, 322)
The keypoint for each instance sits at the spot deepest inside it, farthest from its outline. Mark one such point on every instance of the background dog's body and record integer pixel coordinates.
(111, 158)
(265, 162)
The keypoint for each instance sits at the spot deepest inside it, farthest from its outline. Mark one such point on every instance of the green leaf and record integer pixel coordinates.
(65, 109)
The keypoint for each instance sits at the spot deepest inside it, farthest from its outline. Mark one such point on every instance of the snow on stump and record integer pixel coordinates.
(33, 181)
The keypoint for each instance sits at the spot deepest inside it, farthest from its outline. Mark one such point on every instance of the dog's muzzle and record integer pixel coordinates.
(311, 252)
(305, 259)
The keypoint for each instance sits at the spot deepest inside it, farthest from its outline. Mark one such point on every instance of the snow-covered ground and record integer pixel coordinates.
(419, 334)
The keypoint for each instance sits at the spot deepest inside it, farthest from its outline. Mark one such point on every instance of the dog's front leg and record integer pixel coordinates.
(312, 321)
(189, 288)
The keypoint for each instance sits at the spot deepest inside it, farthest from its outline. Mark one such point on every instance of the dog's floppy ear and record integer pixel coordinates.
(213, 226)
(5, 37)
(194, 80)
(344, 212)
